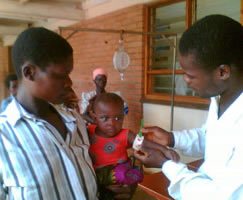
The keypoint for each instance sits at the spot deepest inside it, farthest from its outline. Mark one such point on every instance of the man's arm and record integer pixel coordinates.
(186, 184)
(221, 176)
(190, 142)
(3, 191)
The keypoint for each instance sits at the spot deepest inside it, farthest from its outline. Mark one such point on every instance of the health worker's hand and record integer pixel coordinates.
(159, 135)
(150, 157)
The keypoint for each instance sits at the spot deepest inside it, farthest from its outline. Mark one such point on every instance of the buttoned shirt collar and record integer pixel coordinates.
(16, 112)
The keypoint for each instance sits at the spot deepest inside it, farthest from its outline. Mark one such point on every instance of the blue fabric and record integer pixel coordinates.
(5, 103)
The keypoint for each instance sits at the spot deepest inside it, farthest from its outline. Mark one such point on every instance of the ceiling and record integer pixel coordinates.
(17, 15)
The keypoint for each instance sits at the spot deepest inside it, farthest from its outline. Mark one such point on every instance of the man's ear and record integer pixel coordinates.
(28, 71)
(223, 72)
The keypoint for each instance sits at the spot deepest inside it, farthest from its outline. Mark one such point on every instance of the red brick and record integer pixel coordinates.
(95, 49)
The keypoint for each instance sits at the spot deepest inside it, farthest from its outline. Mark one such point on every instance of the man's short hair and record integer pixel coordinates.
(40, 47)
(214, 40)
(9, 78)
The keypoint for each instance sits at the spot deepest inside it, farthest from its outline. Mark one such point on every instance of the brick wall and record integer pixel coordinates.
(95, 49)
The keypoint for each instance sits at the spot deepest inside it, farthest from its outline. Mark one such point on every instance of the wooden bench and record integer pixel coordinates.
(156, 184)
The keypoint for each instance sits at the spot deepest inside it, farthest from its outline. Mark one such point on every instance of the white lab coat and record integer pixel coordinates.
(220, 177)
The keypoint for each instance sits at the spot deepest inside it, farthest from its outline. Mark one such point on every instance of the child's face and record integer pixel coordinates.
(54, 82)
(109, 118)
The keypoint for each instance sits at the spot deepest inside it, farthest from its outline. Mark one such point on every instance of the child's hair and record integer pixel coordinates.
(9, 78)
(214, 40)
(40, 47)
(108, 98)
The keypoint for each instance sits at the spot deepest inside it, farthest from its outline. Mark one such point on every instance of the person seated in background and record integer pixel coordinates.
(109, 144)
(43, 148)
(11, 83)
(100, 80)
(212, 60)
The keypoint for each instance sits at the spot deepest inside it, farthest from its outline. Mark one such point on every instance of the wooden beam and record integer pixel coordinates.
(8, 40)
(11, 30)
(67, 1)
(241, 12)
(96, 8)
(163, 3)
(23, 1)
(21, 17)
(33, 9)
(54, 24)
(190, 12)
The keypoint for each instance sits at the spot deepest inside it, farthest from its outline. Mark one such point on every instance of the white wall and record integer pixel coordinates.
(184, 118)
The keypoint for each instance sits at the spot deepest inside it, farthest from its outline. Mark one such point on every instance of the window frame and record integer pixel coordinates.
(183, 101)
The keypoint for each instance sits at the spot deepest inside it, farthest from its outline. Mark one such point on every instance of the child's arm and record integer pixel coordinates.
(169, 153)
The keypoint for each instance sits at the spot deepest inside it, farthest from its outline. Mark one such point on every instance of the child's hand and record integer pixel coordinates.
(172, 155)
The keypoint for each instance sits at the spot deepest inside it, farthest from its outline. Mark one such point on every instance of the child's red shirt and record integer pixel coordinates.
(108, 151)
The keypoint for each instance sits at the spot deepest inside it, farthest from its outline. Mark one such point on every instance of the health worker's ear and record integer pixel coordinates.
(223, 72)
(29, 71)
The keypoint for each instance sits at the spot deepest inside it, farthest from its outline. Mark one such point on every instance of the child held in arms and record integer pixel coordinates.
(109, 144)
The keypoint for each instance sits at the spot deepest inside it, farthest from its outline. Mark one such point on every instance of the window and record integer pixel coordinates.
(162, 69)
(224, 7)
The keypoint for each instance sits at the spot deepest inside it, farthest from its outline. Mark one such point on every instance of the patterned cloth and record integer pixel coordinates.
(36, 163)
(116, 174)
(111, 161)
(108, 151)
